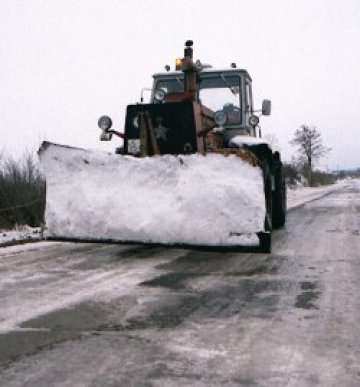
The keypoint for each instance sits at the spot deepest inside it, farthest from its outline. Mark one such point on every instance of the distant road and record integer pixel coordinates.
(117, 315)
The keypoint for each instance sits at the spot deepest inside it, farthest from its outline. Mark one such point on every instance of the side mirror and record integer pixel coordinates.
(105, 124)
(266, 107)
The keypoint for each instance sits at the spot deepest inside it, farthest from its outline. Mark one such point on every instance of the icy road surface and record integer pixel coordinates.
(120, 315)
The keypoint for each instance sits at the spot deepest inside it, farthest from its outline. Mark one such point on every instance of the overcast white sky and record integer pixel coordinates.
(65, 63)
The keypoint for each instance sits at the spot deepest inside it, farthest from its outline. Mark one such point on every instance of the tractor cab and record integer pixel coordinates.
(225, 93)
(192, 109)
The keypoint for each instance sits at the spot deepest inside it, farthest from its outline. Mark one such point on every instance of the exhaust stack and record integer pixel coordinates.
(188, 67)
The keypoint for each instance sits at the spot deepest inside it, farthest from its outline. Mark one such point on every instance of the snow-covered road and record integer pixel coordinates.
(94, 315)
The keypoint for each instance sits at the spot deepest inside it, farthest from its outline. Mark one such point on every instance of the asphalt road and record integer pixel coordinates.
(119, 315)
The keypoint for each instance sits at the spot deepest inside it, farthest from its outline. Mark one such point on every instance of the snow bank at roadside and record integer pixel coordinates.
(194, 199)
(301, 195)
(21, 233)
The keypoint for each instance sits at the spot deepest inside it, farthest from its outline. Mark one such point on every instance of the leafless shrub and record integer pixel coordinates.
(22, 191)
(296, 172)
(322, 178)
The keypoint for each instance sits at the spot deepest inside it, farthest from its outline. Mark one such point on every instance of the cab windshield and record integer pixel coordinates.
(217, 92)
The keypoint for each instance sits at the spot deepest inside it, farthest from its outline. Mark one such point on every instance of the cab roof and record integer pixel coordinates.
(171, 74)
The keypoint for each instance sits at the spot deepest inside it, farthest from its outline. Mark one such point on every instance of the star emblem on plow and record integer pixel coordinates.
(160, 130)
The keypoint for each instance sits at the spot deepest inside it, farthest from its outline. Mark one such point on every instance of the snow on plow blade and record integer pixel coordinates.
(197, 200)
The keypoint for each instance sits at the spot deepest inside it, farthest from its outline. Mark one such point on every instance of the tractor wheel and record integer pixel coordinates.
(265, 237)
(279, 204)
(265, 242)
(279, 217)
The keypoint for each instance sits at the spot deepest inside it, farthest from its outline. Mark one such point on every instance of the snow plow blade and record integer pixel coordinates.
(209, 200)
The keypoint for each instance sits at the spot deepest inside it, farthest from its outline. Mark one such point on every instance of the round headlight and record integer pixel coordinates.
(220, 118)
(159, 94)
(136, 122)
(105, 122)
(253, 120)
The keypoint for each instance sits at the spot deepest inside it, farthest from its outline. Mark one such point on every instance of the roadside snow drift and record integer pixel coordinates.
(194, 199)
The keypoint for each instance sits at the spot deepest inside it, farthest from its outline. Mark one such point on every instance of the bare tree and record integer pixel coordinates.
(310, 147)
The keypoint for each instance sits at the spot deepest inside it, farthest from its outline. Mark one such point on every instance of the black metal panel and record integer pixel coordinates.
(174, 126)
(262, 152)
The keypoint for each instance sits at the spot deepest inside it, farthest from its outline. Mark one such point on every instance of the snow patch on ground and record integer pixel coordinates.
(20, 233)
(193, 199)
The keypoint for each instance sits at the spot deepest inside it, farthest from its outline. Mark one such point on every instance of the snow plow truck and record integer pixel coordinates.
(193, 168)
